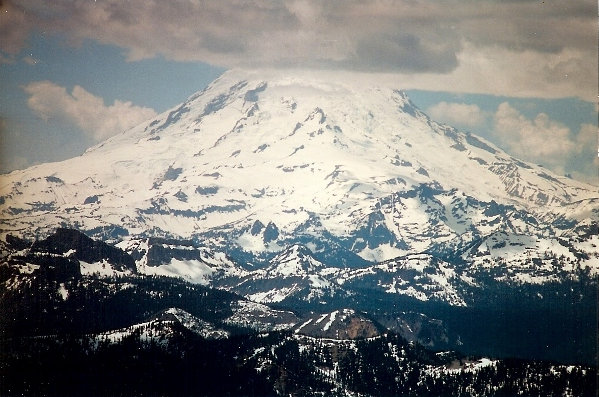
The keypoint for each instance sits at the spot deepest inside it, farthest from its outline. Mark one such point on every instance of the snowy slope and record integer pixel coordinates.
(293, 273)
(163, 327)
(260, 317)
(260, 161)
(180, 258)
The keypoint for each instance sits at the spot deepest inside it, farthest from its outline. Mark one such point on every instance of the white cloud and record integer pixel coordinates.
(588, 137)
(541, 139)
(505, 72)
(514, 48)
(585, 164)
(459, 114)
(85, 110)
(548, 142)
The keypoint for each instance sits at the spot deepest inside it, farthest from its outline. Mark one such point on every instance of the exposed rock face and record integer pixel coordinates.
(340, 324)
(72, 243)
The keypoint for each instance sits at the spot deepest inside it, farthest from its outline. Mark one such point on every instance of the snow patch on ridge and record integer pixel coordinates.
(194, 271)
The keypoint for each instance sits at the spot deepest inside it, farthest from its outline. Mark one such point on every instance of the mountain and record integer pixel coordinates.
(47, 288)
(67, 253)
(163, 328)
(180, 258)
(416, 327)
(328, 222)
(292, 274)
(153, 334)
(339, 324)
(423, 298)
(260, 161)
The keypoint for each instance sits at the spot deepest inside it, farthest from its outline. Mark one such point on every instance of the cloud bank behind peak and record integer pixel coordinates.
(501, 47)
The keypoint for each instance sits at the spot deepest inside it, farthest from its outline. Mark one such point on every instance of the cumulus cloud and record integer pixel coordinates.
(548, 142)
(85, 110)
(587, 137)
(504, 72)
(491, 46)
(581, 167)
(540, 140)
(461, 114)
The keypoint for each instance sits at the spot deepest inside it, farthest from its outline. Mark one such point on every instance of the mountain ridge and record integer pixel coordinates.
(298, 155)
(354, 172)
(423, 298)
(298, 224)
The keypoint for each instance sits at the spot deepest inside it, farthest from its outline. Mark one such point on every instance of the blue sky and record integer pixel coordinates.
(522, 74)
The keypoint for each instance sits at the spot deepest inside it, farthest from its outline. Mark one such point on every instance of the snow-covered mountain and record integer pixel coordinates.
(260, 161)
(293, 273)
(299, 225)
(315, 196)
(71, 283)
(180, 258)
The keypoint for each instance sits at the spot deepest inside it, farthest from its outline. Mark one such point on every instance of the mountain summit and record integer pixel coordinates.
(260, 161)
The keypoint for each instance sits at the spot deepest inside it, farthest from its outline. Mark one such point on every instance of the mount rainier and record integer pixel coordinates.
(322, 195)
(353, 175)
(257, 162)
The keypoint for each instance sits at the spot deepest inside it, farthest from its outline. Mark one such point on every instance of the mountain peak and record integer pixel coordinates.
(190, 322)
(316, 159)
(296, 260)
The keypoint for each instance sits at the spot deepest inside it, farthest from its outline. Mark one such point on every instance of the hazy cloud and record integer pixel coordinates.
(29, 60)
(587, 142)
(499, 45)
(461, 114)
(8, 159)
(538, 140)
(504, 72)
(588, 136)
(15, 26)
(10, 162)
(85, 110)
(545, 141)
(3, 133)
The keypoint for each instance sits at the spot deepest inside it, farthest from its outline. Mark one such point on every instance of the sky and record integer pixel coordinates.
(520, 73)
